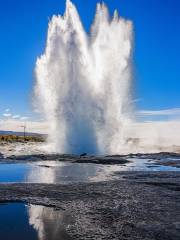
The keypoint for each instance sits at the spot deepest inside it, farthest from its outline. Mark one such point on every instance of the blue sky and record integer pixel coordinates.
(23, 28)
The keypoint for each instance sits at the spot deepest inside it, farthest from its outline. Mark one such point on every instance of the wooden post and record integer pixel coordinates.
(24, 127)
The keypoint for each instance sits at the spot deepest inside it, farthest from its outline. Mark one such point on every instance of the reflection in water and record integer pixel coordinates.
(64, 173)
(68, 172)
(14, 223)
(56, 172)
(41, 174)
(49, 223)
(34, 222)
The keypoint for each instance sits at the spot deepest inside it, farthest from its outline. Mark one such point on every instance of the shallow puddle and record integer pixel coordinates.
(33, 222)
(68, 172)
(55, 172)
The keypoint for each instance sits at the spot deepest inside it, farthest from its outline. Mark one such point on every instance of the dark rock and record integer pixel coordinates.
(83, 155)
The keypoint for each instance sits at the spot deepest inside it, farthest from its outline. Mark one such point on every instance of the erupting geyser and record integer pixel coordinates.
(83, 82)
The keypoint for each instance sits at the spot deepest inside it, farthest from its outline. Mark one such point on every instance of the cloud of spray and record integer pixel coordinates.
(83, 82)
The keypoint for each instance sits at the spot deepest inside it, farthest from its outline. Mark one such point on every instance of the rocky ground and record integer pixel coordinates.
(139, 206)
(162, 158)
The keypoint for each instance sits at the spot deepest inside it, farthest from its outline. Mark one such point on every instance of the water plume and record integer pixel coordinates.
(83, 82)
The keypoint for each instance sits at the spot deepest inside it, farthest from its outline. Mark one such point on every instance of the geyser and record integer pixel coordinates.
(83, 82)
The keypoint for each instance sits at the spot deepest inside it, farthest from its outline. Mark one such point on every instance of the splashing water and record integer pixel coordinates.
(83, 82)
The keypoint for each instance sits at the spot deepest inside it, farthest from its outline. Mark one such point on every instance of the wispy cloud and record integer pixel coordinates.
(7, 114)
(165, 112)
(16, 116)
(24, 118)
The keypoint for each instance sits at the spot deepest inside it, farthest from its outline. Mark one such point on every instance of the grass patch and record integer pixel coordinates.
(15, 138)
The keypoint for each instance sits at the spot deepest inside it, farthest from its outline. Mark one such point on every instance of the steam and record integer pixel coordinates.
(83, 83)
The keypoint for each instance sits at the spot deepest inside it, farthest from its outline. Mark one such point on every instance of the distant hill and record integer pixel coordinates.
(6, 133)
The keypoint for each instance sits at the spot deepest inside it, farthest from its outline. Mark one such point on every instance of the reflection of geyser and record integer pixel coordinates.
(49, 223)
(83, 82)
(67, 172)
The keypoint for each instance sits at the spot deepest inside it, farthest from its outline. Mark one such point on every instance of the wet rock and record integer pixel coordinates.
(107, 161)
(169, 163)
(83, 155)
